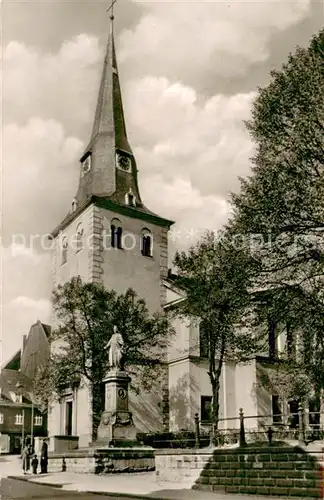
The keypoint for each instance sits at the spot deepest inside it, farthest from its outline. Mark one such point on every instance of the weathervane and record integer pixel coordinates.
(111, 8)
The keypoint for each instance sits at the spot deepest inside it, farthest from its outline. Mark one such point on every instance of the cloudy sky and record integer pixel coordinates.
(189, 73)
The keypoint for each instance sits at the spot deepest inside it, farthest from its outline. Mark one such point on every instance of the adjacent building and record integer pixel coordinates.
(241, 386)
(20, 418)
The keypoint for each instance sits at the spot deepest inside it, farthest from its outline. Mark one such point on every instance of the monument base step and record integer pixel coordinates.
(105, 460)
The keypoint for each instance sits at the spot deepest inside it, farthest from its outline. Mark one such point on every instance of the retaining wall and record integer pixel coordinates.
(273, 471)
(103, 461)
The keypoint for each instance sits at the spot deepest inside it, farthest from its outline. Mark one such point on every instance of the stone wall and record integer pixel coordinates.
(263, 471)
(103, 461)
(62, 444)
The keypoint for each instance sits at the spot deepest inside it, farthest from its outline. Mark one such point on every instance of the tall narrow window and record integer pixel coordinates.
(206, 408)
(291, 347)
(272, 337)
(79, 238)
(68, 417)
(1, 418)
(293, 414)
(116, 232)
(146, 243)
(203, 340)
(276, 410)
(119, 233)
(64, 251)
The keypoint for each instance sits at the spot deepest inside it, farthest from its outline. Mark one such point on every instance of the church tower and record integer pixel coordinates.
(110, 236)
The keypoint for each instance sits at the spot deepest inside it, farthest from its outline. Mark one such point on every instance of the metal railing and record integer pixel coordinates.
(303, 426)
(265, 429)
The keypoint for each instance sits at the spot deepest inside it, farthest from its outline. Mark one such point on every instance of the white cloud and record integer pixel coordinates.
(183, 138)
(26, 288)
(40, 171)
(60, 86)
(201, 39)
(17, 317)
(195, 213)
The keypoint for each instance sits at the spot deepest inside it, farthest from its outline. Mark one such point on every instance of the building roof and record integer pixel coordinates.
(36, 351)
(14, 361)
(14, 382)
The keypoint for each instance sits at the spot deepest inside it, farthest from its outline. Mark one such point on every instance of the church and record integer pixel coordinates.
(110, 237)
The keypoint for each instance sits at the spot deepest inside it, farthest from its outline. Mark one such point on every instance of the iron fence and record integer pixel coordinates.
(302, 426)
(242, 430)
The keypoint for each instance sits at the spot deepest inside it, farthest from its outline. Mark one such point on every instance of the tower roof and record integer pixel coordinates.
(108, 173)
(109, 116)
(108, 166)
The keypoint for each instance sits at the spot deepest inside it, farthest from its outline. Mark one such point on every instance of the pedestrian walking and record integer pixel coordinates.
(34, 464)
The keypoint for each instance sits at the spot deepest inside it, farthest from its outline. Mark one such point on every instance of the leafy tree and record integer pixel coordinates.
(86, 314)
(217, 280)
(280, 208)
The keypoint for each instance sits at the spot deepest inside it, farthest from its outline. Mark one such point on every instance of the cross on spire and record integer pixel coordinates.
(111, 9)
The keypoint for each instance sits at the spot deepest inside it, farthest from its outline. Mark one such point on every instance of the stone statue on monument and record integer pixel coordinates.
(116, 350)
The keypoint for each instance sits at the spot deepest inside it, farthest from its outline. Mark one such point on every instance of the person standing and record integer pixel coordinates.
(44, 457)
(26, 459)
(34, 464)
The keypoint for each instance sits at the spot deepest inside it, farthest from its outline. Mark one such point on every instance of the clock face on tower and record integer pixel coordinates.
(123, 162)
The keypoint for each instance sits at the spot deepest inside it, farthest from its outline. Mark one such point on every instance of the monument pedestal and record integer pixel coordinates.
(116, 426)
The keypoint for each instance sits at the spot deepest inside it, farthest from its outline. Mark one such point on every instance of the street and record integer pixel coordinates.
(16, 489)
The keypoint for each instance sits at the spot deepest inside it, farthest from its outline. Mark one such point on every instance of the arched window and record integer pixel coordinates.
(116, 232)
(64, 250)
(130, 198)
(146, 243)
(74, 205)
(79, 238)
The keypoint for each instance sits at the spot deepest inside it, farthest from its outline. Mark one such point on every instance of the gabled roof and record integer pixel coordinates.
(37, 349)
(15, 382)
(14, 362)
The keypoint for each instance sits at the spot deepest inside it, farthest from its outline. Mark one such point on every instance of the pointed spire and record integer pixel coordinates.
(109, 115)
(103, 174)
(108, 173)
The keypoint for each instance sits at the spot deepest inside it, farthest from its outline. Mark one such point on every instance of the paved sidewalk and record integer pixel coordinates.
(10, 465)
(141, 485)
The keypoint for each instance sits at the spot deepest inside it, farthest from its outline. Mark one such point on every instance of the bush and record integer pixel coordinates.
(181, 439)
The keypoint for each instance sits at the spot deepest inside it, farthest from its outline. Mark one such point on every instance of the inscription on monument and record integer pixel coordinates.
(122, 393)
